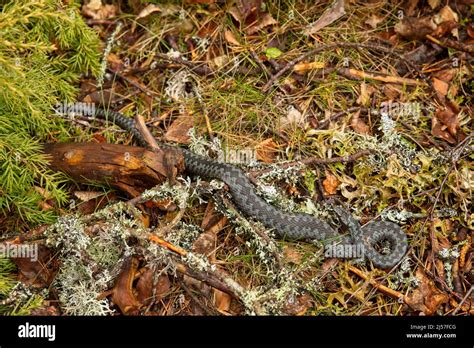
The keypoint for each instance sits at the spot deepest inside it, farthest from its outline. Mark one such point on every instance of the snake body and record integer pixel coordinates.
(290, 226)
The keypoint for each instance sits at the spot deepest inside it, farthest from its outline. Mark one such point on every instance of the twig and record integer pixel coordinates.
(133, 83)
(382, 78)
(260, 64)
(142, 128)
(202, 69)
(235, 287)
(339, 114)
(316, 160)
(386, 290)
(445, 42)
(289, 66)
(464, 299)
(204, 277)
(196, 300)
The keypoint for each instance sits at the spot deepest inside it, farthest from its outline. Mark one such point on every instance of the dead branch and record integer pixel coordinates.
(129, 168)
(289, 66)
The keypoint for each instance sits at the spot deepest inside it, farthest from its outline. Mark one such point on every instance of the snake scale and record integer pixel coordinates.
(290, 226)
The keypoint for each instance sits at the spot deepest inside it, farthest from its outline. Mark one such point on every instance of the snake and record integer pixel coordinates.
(291, 226)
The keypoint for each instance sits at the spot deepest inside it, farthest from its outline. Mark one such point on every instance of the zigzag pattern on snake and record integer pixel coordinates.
(291, 226)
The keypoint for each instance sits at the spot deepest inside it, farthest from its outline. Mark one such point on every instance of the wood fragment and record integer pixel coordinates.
(381, 78)
(129, 168)
(382, 288)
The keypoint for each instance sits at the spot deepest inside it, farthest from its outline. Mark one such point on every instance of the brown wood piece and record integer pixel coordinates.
(129, 168)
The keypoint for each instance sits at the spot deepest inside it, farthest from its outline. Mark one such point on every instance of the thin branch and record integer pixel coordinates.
(315, 160)
(382, 288)
(289, 66)
(463, 300)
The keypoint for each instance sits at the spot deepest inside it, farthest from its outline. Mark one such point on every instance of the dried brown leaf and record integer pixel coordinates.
(330, 184)
(122, 292)
(332, 14)
(391, 91)
(178, 131)
(230, 38)
(145, 286)
(440, 86)
(292, 255)
(213, 221)
(438, 129)
(413, 28)
(205, 244)
(434, 3)
(445, 75)
(449, 118)
(263, 22)
(358, 125)
(249, 15)
(91, 201)
(267, 150)
(366, 92)
(148, 10)
(222, 301)
(470, 30)
(446, 14)
(39, 272)
(298, 305)
(427, 298)
(373, 21)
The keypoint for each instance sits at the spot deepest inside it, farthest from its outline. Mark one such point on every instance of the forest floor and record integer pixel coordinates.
(366, 103)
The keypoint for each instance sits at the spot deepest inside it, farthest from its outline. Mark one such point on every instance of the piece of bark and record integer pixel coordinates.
(129, 168)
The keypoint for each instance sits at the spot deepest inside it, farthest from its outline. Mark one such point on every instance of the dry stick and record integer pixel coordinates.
(204, 277)
(203, 69)
(315, 160)
(205, 112)
(260, 64)
(460, 147)
(445, 42)
(326, 47)
(386, 290)
(199, 69)
(235, 287)
(196, 300)
(463, 300)
(142, 128)
(339, 114)
(383, 78)
(133, 83)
